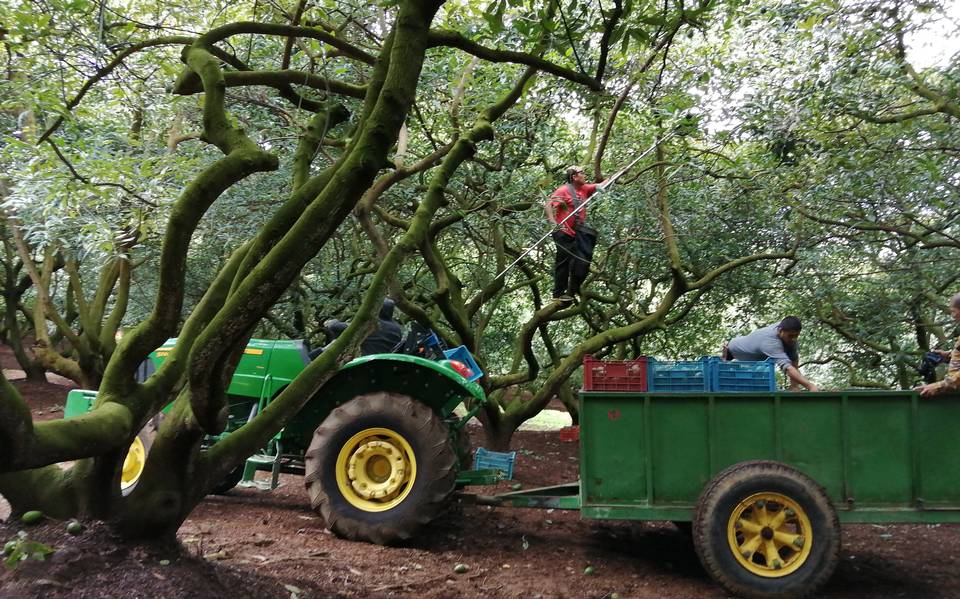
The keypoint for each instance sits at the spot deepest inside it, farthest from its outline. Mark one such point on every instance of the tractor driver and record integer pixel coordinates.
(384, 339)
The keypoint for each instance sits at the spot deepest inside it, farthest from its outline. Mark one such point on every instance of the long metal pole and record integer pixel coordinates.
(600, 188)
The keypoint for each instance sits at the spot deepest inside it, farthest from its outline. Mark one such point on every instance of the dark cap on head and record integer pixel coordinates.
(790, 323)
(386, 310)
(571, 171)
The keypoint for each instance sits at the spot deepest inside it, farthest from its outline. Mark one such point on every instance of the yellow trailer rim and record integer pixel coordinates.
(770, 534)
(376, 469)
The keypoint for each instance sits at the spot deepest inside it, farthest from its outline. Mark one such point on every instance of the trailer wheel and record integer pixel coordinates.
(763, 529)
(380, 466)
(136, 458)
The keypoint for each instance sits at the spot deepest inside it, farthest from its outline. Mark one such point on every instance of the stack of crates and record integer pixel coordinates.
(709, 374)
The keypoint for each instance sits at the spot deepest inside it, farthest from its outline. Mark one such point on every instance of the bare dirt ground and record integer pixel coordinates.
(251, 543)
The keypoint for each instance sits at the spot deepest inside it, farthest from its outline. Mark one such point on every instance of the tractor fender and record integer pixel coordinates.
(426, 381)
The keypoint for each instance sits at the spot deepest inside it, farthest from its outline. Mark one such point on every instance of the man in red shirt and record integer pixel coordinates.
(575, 239)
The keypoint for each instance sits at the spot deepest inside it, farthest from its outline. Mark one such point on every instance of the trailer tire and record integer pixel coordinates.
(136, 458)
(763, 529)
(379, 467)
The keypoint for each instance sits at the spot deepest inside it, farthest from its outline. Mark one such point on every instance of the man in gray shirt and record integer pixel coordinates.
(777, 342)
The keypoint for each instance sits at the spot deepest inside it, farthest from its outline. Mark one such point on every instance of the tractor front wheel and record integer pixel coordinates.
(136, 458)
(379, 467)
(763, 529)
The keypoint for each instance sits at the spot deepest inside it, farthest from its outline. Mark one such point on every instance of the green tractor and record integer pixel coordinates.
(379, 445)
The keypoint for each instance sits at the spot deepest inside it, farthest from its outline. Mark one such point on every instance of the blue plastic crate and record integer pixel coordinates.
(495, 460)
(727, 377)
(462, 354)
(678, 375)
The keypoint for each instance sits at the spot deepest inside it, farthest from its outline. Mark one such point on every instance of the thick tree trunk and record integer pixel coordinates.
(568, 397)
(498, 433)
(178, 474)
(33, 369)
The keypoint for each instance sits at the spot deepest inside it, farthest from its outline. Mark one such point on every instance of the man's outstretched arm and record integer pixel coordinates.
(797, 379)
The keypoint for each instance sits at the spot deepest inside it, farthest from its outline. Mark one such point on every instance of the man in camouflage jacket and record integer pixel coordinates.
(950, 382)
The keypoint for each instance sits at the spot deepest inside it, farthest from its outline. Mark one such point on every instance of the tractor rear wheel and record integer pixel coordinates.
(379, 467)
(763, 529)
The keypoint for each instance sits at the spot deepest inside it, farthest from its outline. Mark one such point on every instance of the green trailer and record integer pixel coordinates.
(763, 480)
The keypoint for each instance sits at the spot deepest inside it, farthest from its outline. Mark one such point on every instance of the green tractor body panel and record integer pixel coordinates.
(392, 367)
(427, 381)
(265, 367)
(79, 401)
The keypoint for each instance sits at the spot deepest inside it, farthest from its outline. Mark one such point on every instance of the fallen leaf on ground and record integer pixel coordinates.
(216, 555)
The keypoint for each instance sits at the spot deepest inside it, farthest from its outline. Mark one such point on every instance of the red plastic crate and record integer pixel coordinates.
(570, 434)
(615, 375)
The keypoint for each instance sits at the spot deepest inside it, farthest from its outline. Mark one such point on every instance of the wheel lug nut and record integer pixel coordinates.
(789, 512)
(746, 554)
(777, 564)
(798, 541)
(761, 504)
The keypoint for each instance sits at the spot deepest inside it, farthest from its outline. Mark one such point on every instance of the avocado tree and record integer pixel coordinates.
(374, 72)
(16, 317)
(878, 156)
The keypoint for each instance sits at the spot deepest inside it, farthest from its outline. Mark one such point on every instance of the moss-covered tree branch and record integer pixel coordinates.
(210, 358)
(279, 80)
(454, 39)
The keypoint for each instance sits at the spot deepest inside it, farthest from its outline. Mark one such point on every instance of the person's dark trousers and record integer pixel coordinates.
(580, 266)
(566, 253)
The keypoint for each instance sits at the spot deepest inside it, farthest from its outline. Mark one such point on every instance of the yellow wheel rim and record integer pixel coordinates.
(133, 464)
(770, 535)
(376, 469)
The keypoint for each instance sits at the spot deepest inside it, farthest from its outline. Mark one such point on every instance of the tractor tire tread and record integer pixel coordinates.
(434, 489)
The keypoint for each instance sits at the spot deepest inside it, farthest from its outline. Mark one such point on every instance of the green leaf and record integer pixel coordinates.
(809, 23)
(493, 15)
